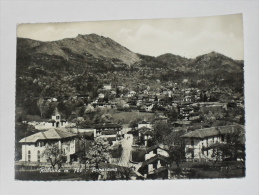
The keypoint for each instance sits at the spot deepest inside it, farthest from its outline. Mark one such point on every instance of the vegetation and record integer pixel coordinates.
(98, 152)
(173, 144)
(54, 155)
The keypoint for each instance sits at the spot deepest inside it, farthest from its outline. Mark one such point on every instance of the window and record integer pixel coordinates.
(192, 142)
(202, 149)
(57, 117)
(29, 155)
(38, 156)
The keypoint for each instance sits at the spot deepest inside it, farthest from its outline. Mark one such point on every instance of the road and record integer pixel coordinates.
(126, 144)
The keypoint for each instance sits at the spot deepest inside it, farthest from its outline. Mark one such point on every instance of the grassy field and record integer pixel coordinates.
(126, 117)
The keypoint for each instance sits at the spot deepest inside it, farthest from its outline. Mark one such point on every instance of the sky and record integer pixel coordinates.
(187, 37)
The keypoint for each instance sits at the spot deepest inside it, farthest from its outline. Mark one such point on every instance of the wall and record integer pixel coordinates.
(69, 147)
(197, 147)
(159, 151)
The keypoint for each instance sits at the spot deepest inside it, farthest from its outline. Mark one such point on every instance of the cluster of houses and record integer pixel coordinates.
(197, 149)
(60, 132)
(65, 135)
(156, 161)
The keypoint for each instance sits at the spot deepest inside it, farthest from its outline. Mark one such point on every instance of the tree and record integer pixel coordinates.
(134, 122)
(105, 118)
(173, 144)
(98, 152)
(78, 121)
(54, 155)
(172, 114)
(41, 106)
(232, 148)
(89, 109)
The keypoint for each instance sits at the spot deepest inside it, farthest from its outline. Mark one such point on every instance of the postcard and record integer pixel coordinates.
(155, 99)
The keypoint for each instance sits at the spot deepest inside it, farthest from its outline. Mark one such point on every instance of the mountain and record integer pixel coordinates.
(81, 65)
(216, 61)
(81, 47)
(173, 61)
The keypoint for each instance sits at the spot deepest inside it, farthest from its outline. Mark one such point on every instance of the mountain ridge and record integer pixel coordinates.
(84, 63)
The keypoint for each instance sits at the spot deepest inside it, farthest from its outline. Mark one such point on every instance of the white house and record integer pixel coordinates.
(198, 141)
(55, 122)
(145, 135)
(155, 164)
(34, 145)
(155, 150)
(144, 124)
(100, 95)
(107, 86)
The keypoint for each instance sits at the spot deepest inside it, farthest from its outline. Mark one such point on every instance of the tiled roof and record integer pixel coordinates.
(47, 135)
(153, 148)
(109, 132)
(143, 122)
(143, 128)
(209, 132)
(154, 158)
(107, 125)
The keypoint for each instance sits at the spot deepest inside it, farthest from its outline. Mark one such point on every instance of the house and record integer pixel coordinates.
(107, 128)
(198, 141)
(180, 123)
(100, 95)
(132, 93)
(112, 138)
(148, 107)
(34, 145)
(145, 135)
(144, 123)
(54, 122)
(155, 167)
(107, 86)
(155, 150)
(161, 118)
(185, 111)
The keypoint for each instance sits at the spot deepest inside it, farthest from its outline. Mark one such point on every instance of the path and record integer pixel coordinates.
(126, 144)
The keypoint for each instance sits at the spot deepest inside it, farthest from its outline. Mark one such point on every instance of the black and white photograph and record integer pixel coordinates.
(149, 99)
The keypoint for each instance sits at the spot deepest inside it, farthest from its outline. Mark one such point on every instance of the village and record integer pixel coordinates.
(141, 132)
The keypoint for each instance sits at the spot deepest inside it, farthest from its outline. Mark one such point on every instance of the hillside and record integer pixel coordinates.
(82, 47)
(173, 61)
(215, 61)
(83, 64)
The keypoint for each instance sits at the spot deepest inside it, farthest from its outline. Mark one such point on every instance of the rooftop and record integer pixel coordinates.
(212, 131)
(107, 125)
(47, 135)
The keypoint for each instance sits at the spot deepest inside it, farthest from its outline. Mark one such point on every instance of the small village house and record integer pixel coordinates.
(145, 135)
(54, 122)
(198, 141)
(108, 128)
(34, 145)
(155, 164)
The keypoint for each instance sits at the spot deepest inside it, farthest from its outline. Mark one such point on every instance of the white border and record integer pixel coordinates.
(13, 12)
